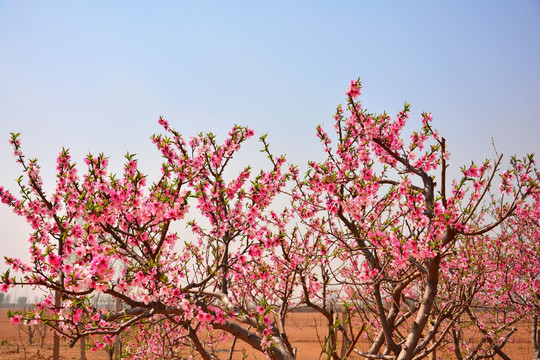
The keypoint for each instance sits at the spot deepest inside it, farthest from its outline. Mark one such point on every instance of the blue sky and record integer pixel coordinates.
(95, 76)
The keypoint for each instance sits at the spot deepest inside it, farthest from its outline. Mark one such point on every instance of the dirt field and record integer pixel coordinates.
(303, 334)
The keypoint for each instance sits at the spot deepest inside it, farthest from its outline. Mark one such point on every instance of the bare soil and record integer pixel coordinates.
(304, 331)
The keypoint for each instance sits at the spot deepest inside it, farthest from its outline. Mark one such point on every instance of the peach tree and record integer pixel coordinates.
(411, 252)
(208, 252)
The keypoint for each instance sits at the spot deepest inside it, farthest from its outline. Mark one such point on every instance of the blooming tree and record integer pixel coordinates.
(376, 228)
(499, 285)
(101, 234)
(518, 257)
(416, 253)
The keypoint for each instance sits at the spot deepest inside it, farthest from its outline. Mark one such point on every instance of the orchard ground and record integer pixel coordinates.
(305, 328)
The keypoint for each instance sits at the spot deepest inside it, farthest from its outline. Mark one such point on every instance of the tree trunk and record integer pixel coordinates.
(343, 335)
(434, 353)
(430, 292)
(56, 337)
(536, 337)
(118, 341)
(83, 348)
(278, 349)
(31, 330)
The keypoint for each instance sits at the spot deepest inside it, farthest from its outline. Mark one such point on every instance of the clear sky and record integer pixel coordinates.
(95, 75)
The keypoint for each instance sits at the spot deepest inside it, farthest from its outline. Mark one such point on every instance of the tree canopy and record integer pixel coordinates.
(376, 229)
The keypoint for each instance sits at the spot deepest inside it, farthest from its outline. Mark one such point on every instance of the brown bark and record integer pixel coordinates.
(456, 337)
(536, 337)
(118, 341)
(56, 337)
(343, 334)
(430, 292)
(82, 345)
(278, 351)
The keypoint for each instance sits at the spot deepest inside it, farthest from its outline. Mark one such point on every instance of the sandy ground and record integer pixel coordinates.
(302, 331)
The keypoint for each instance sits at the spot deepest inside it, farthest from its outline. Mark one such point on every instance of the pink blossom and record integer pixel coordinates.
(16, 319)
(354, 89)
(77, 315)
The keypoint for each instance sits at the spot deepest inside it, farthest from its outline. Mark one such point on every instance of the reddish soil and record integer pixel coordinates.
(302, 332)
